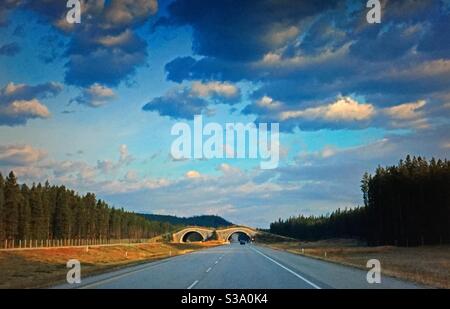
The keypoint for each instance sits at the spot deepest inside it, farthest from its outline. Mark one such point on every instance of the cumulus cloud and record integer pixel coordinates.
(177, 104)
(109, 166)
(184, 102)
(20, 155)
(14, 91)
(215, 89)
(131, 176)
(408, 115)
(95, 96)
(307, 53)
(22, 109)
(193, 174)
(344, 109)
(104, 48)
(242, 31)
(343, 113)
(20, 102)
(406, 110)
(125, 156)
(229, 170)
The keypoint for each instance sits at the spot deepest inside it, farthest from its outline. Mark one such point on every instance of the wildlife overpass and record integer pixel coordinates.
(205, 233)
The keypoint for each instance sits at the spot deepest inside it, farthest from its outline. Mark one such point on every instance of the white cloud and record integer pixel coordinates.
(268, 102)
(20, 155)
(344, 109)
(22, 109)
(280, 36)
(131, 176)
(192, 174)
(427, 69)
(109, 166)
(125, 12)
(229, 170)
(19, 102)
(95, 96)
(125, 156)
(408, 115)
(406, 111)
(215, 88)
(271, 58)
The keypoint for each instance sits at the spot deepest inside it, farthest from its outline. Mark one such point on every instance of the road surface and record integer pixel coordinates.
(237, 266)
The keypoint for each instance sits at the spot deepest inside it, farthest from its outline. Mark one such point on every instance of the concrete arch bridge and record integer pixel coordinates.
(205, 233)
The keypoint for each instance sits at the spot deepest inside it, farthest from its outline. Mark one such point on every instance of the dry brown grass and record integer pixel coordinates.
(428, 265)
(45, 267)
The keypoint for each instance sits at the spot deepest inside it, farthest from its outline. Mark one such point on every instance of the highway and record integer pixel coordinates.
(237, 266)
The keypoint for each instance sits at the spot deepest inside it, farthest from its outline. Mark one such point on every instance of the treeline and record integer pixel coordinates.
(348, 223)
(407, 204)
(44, 212)
(203, 220)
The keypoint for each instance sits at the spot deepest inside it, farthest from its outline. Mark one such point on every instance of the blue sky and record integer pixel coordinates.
(91, 105)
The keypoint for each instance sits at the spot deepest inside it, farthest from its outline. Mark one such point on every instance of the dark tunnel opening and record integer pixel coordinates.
(239, 236)
(192, 237)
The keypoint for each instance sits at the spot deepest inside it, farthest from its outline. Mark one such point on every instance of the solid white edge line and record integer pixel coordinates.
(192, 285)
(289, 270)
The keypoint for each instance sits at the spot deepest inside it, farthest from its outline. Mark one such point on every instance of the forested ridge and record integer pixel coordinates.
(43, 212)
(407, 204)
(203, 220)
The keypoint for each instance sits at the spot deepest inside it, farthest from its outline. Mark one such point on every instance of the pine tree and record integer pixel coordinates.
(365, 188)
(11, 210)
(24, 214)
(62, 215)
(37, 214)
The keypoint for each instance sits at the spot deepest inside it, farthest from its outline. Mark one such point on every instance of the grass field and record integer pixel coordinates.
(46, 267)
(428, 265)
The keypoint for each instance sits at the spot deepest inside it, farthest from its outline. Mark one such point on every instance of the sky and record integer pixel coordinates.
(91, 105)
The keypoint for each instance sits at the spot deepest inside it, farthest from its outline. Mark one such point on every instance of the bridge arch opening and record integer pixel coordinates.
(239, 236)
(192, 236)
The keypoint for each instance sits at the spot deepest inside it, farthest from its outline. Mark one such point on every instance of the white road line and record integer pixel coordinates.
(289, 270)
(216, 262)
(208, 270)
(192, 285)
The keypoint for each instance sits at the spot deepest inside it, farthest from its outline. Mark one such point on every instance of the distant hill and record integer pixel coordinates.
(204, 220)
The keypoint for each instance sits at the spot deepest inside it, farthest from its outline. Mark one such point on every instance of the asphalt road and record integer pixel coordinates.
(237, 266)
